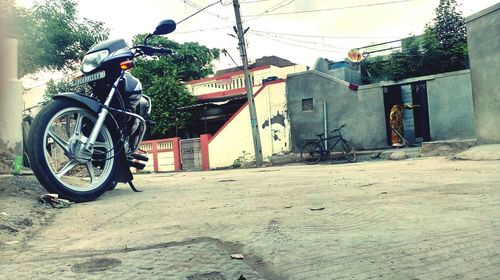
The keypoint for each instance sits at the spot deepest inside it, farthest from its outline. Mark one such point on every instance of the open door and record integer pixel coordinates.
(421, 114)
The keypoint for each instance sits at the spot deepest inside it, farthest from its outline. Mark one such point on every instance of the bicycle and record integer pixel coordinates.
(313, 151)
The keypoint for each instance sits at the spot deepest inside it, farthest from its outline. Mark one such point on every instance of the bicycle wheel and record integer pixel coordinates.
(348, 151)
(311, 153)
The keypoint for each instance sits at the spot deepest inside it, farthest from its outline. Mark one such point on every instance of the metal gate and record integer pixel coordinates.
(190, 154)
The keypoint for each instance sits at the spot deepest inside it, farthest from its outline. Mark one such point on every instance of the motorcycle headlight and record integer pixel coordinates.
(92, 60)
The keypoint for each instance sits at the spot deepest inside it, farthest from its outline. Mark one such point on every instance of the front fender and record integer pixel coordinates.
(89, 103)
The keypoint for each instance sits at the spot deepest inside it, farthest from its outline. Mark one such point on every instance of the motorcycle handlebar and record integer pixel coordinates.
(151, 51)
(160, 50)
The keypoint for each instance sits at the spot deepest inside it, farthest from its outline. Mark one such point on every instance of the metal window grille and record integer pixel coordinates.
(307, 104)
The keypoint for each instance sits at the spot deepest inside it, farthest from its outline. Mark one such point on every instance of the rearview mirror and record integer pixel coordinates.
(165, 27)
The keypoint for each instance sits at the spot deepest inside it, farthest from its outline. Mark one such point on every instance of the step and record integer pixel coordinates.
(446, 147)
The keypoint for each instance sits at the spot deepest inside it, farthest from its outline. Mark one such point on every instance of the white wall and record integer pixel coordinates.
(235, 138)
(11, 101)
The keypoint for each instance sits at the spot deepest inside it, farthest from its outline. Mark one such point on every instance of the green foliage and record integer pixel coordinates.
(51, 36)
(64, 85)
(161, 81)
(449, 25)
(244, 160)
(442, 48)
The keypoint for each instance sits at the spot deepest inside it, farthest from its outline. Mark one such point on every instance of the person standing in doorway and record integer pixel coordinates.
(396, 123)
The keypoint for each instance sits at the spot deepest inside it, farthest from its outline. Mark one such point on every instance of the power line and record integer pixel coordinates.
(202, 30)
(300, 46)
(323, 36)
(332, 48)
(197, 6)
(200, 9)
(294, 40)
(331, 9)
(253, 1)
(274, 8)
(279, 6)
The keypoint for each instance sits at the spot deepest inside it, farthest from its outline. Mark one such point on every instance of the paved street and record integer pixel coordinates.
(429, 218)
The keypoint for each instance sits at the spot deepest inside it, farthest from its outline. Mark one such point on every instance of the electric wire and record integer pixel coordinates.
(294, 40)
(323, 36)
(253, 1)
(272, 9)
(298, 45)
(197, 12)
(337, 50)
(328, 9)
(203, 30)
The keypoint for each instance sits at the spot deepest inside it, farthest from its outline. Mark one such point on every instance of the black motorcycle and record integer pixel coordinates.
(81, 145)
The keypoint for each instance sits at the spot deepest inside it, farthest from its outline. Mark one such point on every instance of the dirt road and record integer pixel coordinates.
(428, 218)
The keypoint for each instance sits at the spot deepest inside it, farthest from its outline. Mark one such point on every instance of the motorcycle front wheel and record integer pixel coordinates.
(55, 143)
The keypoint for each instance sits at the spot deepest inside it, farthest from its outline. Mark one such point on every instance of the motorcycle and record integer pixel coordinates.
(81, 146)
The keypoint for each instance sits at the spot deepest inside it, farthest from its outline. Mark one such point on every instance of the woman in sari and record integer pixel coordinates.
(396, 123)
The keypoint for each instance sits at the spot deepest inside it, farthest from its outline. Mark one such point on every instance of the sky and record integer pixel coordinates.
(297, 30)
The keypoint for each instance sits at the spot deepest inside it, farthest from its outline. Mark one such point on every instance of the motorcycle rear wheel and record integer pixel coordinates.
(53, 151)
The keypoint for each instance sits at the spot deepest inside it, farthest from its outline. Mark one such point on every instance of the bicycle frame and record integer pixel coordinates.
(330, 148)
(314, 150)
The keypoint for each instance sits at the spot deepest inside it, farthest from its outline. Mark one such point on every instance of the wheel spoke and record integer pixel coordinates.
(90, 169)
(66, 168)
(78, 125)
(63, 144)
(67, 126)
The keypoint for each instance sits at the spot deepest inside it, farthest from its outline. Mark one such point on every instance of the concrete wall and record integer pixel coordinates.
(451, 113)
(11, 102)
(362, 110)
(483, 31)
(234, 140)
(449, 100)
(344, 73)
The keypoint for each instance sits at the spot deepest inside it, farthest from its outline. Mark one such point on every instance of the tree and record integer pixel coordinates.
(63, 85)
(446, 40)
(51, 36)
(161, 79)
(442, 48)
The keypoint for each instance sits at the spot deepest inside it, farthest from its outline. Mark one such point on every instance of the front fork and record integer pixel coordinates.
(89, 145)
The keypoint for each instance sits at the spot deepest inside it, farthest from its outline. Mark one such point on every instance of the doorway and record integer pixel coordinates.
(416, 121)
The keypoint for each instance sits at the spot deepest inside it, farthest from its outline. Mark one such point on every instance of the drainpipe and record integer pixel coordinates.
(325, 123)
(269, 119)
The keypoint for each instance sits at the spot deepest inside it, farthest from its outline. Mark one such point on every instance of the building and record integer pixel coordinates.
(221, 96)
(223, 128)
(316, 100)
(483, 33)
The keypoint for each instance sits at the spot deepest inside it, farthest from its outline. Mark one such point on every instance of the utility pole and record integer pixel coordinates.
(248, 84)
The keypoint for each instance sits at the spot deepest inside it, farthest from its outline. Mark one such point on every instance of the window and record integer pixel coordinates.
(307, 105)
